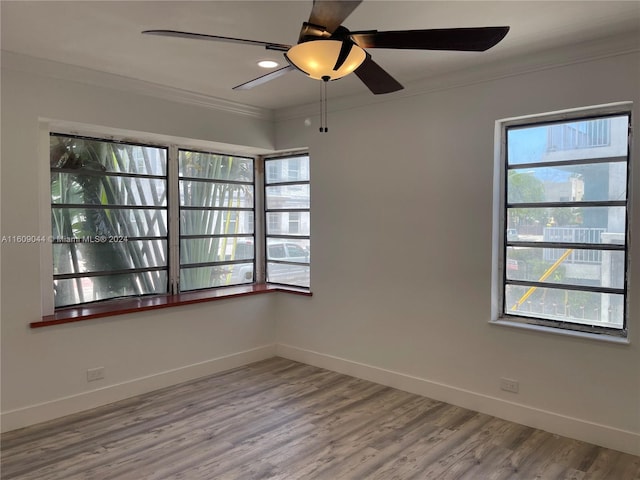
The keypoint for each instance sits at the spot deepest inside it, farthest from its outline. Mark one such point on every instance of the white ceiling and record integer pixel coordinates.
(105, 36)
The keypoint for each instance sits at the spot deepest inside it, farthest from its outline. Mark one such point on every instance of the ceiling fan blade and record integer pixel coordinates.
(331, 13)
(201, 36)
(376, 78)
(264, 78)
(461, 39)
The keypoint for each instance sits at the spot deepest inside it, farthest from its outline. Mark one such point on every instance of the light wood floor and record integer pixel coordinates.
(280, 419)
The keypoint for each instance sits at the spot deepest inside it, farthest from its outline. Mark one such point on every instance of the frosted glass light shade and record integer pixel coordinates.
(317, 58)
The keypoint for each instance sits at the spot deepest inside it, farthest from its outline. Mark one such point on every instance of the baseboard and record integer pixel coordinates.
(23, 417)
(617, 439)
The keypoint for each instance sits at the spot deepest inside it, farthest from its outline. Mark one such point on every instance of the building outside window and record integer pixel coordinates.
(565, 191)
(294, 222)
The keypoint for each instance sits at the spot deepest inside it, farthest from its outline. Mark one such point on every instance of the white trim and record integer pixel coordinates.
(606, 436)
(44, 220)
(622, 108)
(507, 67)
(73, 73)
(32, 414)
(498, 220)
(136, 136)
(601, 337)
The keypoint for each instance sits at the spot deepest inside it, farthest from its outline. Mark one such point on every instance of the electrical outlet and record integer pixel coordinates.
(94, 374)
(509, 385)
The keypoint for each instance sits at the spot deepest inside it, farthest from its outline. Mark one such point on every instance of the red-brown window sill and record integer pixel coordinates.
(130, 305)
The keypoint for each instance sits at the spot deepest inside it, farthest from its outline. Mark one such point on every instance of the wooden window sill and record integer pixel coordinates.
(110, 308)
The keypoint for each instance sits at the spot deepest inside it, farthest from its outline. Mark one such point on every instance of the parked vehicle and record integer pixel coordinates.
(288, 273)
(285, 251)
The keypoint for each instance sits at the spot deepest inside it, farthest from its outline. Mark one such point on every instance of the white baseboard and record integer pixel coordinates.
(609, 437)
(25, 416)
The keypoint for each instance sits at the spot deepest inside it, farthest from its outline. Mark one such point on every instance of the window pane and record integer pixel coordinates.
(97, 257)
(288, 250)
(575, 183)
(597, 268)
(107, 190)
(98, 156)
(202, 250)
(215, 166)
(215, 276)
(294, 169)
(567, 224)
(84, 222)
(208, 194)
(288, 223)
(588, 308)
(288, 274)
(568, 141)
(224, 195)
(215, 222)
(287, 197)
(91, 289)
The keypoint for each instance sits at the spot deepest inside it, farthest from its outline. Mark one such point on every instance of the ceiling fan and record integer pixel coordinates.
(326, 50)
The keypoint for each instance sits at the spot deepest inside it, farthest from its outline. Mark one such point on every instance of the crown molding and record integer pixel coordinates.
(622, 44)
(73, 73)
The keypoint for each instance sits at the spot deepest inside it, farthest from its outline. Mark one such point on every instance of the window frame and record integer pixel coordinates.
(235, 211)
(100, 239)
(266, 211)
(499, 315)
(129, 304)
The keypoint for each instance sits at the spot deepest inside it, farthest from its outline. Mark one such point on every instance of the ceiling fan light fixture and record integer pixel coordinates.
(318, 58)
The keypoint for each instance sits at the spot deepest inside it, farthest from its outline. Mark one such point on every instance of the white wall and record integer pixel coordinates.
(44, 370)
(401, 235)
(402, 242)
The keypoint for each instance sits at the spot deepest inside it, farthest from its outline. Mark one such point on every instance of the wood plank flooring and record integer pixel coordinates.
(279, 419)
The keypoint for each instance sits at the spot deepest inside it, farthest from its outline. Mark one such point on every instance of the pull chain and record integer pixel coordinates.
(323, 105)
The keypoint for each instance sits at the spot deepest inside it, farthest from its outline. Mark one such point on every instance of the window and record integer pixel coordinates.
(287, 201)
(565, 190)
(131, 219)
(216, 220)
(294, 222)
(109, 219)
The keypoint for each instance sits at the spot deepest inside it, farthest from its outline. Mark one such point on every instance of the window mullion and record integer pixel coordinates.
(574, 246)
(583, 203)
(566, 286)
(260, 222)
(174, 220)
